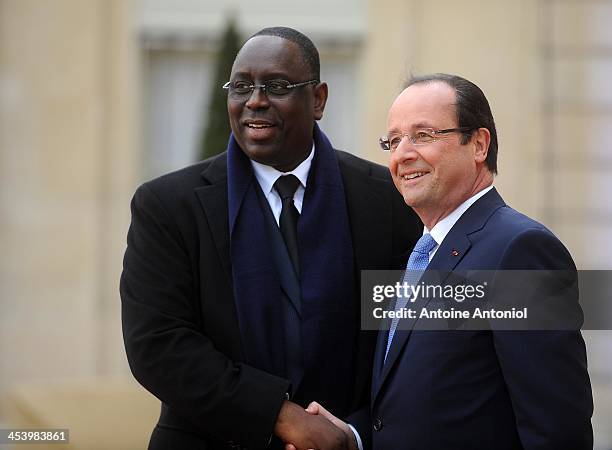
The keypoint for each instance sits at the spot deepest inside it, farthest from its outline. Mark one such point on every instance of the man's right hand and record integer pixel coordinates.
(318, 410)
(306, 431)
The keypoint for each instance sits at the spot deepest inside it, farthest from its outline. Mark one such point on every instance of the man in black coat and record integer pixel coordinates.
(240, 302)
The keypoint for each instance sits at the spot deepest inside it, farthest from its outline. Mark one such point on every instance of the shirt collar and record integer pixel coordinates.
(442, 228)
(267, 175)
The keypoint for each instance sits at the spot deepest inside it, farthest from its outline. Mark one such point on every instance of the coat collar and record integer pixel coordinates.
(216, 171)
(369, 205)
(457, 243)
(213, 198)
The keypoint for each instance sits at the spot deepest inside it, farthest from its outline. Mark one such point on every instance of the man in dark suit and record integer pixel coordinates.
(240, 281)
(478, 388)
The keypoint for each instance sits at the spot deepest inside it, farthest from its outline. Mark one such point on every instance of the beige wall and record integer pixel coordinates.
(389, 45)
(67, 152)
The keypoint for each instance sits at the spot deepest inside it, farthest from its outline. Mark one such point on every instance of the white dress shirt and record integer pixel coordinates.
(442, 228)
(267, 175)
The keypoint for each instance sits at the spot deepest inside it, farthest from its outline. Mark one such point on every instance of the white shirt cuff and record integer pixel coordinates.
(357, 437)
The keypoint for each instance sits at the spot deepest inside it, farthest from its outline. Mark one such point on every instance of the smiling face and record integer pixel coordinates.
(435, 178)
(275, 131)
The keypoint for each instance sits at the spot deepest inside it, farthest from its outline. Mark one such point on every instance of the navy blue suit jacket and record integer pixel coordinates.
(484, 389)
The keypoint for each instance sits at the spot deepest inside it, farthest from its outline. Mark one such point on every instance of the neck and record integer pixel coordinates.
(289, 166)
(430, 216)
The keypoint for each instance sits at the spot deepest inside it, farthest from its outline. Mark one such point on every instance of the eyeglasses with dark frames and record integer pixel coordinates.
(275, 88)
(422, 136)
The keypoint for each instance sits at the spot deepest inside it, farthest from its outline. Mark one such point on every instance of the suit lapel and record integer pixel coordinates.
(379, 357)
(213, 198)
(455, 246)
(368, 208)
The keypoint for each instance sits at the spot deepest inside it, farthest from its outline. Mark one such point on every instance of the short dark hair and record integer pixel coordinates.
(309, 51)
(472, 107)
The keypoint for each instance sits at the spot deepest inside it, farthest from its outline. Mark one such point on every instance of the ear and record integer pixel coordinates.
(320, 99)
(481, 139)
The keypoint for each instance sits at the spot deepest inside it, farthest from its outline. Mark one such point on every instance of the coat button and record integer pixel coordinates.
(377, 424)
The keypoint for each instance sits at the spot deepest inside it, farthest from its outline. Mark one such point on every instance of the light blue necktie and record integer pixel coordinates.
(418, 261)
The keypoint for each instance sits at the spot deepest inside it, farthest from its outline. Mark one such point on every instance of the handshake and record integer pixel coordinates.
(313, 428)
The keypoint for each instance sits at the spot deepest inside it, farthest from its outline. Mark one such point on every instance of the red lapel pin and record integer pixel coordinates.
(455, 253)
